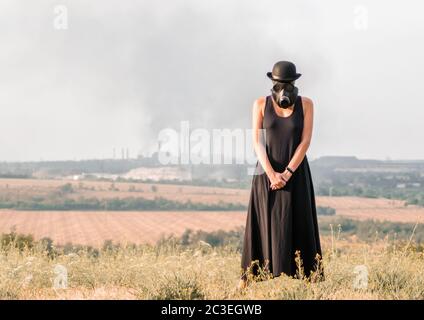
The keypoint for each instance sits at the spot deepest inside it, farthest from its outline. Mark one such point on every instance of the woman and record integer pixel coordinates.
(282, 219)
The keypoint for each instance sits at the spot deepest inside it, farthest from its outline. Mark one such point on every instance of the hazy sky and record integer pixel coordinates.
(124, 70)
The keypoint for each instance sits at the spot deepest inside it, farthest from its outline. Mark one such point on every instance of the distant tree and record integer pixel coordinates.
(112, 187)
(326, 211)
(66, 188)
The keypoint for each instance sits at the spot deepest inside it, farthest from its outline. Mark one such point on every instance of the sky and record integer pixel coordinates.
(80, 78)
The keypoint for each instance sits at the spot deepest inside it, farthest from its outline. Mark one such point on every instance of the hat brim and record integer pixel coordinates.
(297, 76)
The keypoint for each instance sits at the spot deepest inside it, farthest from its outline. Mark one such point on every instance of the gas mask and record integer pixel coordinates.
(284, 93)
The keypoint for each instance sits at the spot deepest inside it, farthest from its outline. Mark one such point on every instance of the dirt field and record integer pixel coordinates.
(82, 227)
(88, 227)
(22, 188)
(378, 209)
(93, 228)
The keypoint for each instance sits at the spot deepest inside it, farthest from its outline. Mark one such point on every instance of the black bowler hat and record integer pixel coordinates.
(283, 71)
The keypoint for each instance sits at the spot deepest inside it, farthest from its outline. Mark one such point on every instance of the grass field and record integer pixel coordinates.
(390, 270)
(142, 263)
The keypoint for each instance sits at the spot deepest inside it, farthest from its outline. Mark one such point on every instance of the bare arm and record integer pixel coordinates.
(303, 146)
(259, 147)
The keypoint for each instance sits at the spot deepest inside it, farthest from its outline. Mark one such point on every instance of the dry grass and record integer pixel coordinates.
(171, 271)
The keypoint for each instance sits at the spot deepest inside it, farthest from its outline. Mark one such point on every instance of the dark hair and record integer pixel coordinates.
(274, 81)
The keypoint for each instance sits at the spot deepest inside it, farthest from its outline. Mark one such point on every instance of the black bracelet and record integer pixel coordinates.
(290, 170)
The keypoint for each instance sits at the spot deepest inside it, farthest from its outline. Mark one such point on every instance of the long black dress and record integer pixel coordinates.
(279, 222)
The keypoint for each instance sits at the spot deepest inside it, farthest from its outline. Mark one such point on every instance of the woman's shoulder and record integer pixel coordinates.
(306, 100)
(259, 105)
(307, 103)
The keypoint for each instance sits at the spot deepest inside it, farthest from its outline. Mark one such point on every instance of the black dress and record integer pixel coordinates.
(279, 222)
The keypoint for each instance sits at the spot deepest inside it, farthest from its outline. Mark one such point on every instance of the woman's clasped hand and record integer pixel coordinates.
(278, 180)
